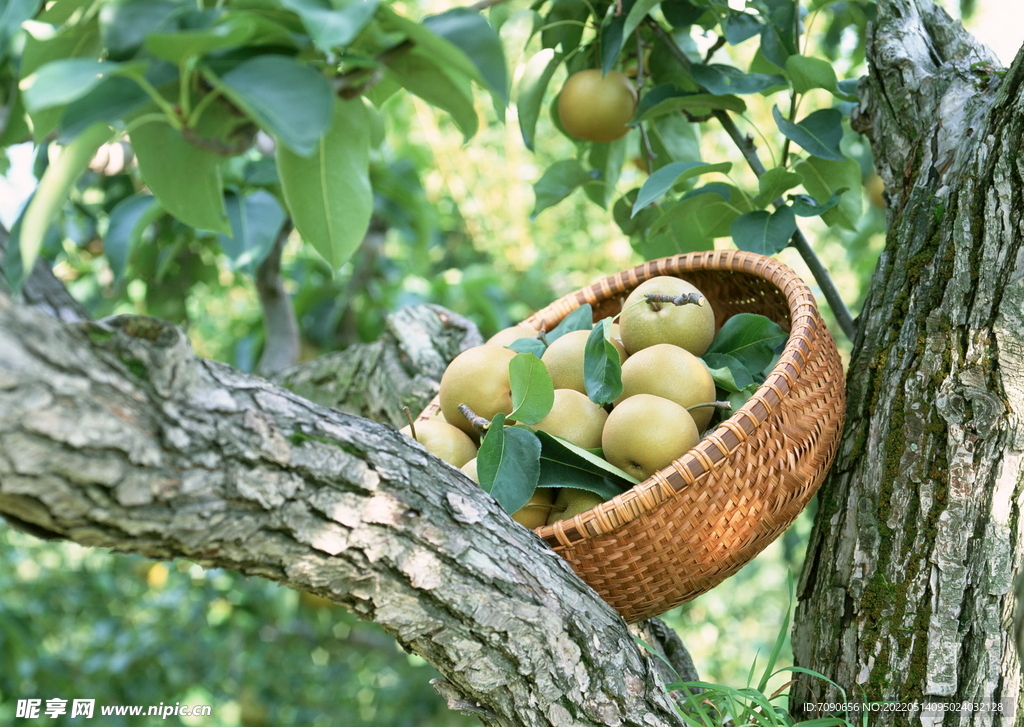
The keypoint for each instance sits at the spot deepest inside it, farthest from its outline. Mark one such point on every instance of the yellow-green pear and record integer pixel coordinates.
(646, 433)
(673, 373)
(535, 512)
(508, 336)
(477, 377)
(443, 440)
(571, 502)
(470, 469)
(644, 324)
(564, 360)
(574, 417)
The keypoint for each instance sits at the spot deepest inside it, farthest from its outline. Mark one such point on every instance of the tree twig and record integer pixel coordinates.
(281, 330)
(798, 241)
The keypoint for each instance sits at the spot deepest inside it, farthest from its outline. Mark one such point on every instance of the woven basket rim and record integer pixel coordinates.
(718, 444)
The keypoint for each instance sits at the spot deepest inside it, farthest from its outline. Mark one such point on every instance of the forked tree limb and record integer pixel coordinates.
(113, 434)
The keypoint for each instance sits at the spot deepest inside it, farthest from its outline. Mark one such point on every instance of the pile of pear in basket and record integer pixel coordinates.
(658, 428)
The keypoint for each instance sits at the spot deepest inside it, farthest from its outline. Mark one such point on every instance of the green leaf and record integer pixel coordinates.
(674, 139)
(533, 83)
(709, 210)
(185, 178)
(508, 464)
(806, 206)
(124, 26)
(720, 79)
(12, 14)
(602, 370)
(428, 42)
(740, 26)
(750, 338)
(823, 178)
(330, 27)
(256, 220)
(773, 48)
(773, 183)
(637, 14)
(52, 193)
(848, 88)
(45, 43)
(611, 40)
(809, 73)
(563, 464)
(692, 203)
(328, 193)
(579, 319)
(665, 178)
(682, 13)
(13, 268)
(778, 36)
(606, 160)
(727, 371)
(438, 87)
(764, 233)
(819, 133)
(289, 100)
(675, 238)
(60, 82)
(470, 32)
(564, 23)
(16, 128)
(128, 220)
(630, 225)
(558, 181)
(528, 345)
(181, 45)
(666, 99)
(111, 101)
(532, 391)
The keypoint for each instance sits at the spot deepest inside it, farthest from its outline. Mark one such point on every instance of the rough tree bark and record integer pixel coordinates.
(906, 591)
(400, 369)
(114, 435)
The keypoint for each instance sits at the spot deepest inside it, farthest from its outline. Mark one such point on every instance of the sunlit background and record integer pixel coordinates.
(461, 235)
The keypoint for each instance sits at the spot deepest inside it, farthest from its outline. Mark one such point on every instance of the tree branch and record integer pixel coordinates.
(401, 368)
(114, 435)
(281, 340)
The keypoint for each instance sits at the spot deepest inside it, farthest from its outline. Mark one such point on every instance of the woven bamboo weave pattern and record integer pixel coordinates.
(699, 520)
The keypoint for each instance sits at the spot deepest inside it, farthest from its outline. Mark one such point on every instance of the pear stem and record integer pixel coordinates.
(480, 424)
(408, 418)
(716, 404)
(685, 299)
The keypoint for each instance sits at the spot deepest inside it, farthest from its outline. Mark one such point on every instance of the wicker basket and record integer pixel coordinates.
(693, 524)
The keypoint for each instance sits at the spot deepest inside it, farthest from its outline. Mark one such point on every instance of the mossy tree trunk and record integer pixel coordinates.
(906, 593)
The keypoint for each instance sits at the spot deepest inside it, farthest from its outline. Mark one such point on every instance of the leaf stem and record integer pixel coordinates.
(197, 112)
(159, 100)
(184, 93)
(142, 121)
(716, 404)
(749, 152)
